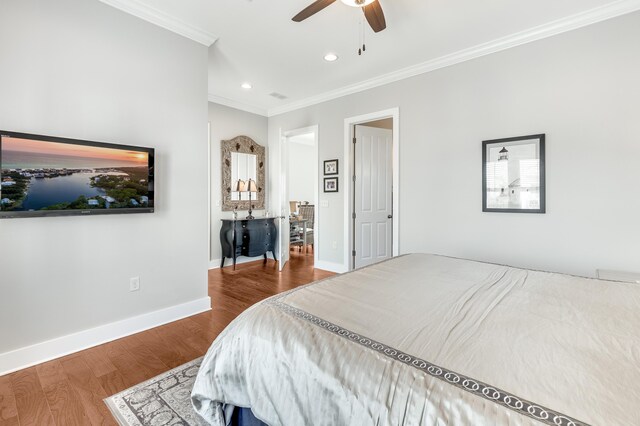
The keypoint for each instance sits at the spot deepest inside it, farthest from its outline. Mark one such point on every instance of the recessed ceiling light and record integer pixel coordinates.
(330, 57)
(246, 86)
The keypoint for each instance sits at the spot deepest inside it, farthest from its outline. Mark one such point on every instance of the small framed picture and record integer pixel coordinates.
(331, 184)
(331, 167)
(513, 175)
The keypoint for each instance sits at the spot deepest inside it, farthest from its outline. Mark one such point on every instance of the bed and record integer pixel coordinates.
(432, 340)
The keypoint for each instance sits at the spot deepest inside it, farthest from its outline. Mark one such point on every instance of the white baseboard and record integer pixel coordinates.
(65, 345)
(215, 263)
(321, 264)
(330, 266)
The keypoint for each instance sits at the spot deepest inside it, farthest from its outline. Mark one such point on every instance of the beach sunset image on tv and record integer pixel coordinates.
(40, 175)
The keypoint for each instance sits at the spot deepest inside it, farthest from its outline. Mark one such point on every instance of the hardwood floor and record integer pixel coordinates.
(69, 390)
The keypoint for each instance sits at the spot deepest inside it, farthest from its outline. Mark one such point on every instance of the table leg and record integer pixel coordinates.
(304, 238)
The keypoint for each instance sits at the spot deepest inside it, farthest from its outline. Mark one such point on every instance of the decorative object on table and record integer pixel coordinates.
(251, 188)
(330, 167)
(331, 184)
(242, 158)
(248, 237)
(513, 175)
(240, 187)
(164, 399)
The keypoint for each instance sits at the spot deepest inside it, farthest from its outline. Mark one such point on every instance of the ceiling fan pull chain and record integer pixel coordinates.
(364, 48)
(360, 26)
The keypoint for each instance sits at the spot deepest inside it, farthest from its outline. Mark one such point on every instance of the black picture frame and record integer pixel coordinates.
(332, 166)
(489, 205)
(331, 184)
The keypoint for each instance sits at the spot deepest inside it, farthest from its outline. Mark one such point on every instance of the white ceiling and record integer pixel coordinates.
(257, 42)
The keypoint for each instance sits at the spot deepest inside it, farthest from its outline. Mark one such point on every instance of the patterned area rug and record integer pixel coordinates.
(163, 400)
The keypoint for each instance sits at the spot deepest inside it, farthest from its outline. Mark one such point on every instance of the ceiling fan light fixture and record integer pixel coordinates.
(357, 3)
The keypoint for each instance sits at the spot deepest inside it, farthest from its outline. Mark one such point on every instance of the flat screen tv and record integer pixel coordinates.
(51, 176)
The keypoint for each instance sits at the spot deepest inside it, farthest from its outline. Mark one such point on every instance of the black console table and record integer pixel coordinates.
(248, 237)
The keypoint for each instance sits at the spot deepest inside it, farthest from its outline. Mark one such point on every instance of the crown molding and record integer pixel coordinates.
(253, 109)
(162, 19)
(579, 20)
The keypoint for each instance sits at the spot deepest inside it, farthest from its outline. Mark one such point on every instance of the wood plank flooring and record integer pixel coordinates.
(69, 391)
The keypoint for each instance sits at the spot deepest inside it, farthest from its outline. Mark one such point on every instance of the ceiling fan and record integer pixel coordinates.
(371, 8)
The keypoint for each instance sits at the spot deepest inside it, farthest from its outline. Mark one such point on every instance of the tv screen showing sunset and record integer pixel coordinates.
(38, 175)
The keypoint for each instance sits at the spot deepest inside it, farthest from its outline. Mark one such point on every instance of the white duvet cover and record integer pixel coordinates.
(431, 340)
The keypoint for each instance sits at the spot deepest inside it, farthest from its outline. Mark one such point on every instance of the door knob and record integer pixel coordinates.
(390, 216)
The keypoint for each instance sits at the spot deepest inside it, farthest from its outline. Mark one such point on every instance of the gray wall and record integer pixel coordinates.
(82, 69)
(580, 88)
(227, 123)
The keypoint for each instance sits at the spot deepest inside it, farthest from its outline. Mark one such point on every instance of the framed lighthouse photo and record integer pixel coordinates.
(513, 175)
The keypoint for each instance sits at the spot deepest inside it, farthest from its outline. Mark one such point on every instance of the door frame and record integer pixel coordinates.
(394, 114)
(209, 198)
(284, 169)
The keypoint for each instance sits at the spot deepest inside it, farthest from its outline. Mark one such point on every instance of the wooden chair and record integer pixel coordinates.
(307, 212)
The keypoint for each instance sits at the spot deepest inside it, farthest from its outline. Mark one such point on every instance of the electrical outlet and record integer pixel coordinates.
(134, 284)
(334, 245)
(217, 203)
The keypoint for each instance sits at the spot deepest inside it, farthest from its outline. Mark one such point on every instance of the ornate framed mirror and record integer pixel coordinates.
(242, 158)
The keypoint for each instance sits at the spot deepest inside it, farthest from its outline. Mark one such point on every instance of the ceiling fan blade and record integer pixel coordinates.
(312, 9)
(375, 16)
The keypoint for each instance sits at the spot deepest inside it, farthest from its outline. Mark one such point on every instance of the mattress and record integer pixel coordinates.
(431, 340)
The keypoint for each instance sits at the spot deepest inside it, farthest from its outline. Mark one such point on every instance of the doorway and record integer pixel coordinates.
(299, 194)
(372, 194)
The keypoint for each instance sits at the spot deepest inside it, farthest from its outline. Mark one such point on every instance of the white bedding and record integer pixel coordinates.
(425, 339)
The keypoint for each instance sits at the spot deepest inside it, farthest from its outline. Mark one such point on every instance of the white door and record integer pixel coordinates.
(283, 238)
(372, 202)
(282, 209)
